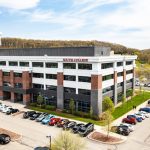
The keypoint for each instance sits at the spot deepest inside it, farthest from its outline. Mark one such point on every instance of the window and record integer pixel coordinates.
(84, 79)
(69, 90)
(2, 63)
(110, 88)
(85, 66)
(108, 77)
(119, 64)
(51, 65)
(51, 76)
(37, 64)
(129, 71)
(129, 81)
(51, 87)
(13, 63)
(83, 106)
(6, 84)
(38, 86)
(69, 66)
(69, 78)
(84, 92)
(129, 62)
(119, 74)
(6, 73)
(17, 74)
(38, 75)
(107, 65)
(18, 85)
(24, 64)
(120, 84)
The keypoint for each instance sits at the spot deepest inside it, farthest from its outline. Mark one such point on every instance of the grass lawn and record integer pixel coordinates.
(119, 111)
(136, 100)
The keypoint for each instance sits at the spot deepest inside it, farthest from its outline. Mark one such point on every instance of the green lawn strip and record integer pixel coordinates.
(137, 100)
(65, 115)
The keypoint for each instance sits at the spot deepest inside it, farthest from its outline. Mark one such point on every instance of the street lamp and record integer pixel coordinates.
(50, 140)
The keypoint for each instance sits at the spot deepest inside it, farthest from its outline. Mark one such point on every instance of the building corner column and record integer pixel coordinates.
(26, 81)
(13, 97)
(60, 91)
(1, 84)
(134, 79)
(124, 82)
(115, 88)
(96, 94)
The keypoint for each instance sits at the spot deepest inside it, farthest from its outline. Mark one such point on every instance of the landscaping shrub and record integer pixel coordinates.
(43, 106)
(49, 107)
(33, 104)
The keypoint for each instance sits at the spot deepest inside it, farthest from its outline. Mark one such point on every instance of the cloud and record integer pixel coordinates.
(18, 4)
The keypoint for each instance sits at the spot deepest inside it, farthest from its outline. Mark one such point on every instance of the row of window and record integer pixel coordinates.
(65, 65)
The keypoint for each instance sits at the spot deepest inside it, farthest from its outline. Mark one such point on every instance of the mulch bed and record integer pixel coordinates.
(103, 137)
(14, 136)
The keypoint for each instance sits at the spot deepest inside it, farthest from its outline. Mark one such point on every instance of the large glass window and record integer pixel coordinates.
(69, 90)
(107, 65)
(24, 64)
(6, 84)
(51, 65)
(51, 76)
(18, 85)
(51, 87)
(69, 78)
(120, 84)
(85, 66)
(119, 64)
(16, 74)
(84, 79)
(6, 73)
(119, 74)
(129, 81)
(38, 86)
(108, 77)
(38, 75)
(2, 63)
(107, 89)
(84, 92)
(129, 71)
(69, 66)
(83, 106)
(37, 64)
(129, 62)
(13, 63)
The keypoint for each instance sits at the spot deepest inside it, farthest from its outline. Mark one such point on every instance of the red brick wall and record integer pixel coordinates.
(124, 74)
(60, 78)
(96, 82)
(115, 77)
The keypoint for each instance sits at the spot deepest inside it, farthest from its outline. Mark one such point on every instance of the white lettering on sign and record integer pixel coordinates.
(75, 60)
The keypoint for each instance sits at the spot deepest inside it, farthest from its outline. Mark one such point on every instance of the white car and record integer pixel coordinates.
(140, 115)
(131, 128)
(5, 109)
(147, 115)
(2, 107)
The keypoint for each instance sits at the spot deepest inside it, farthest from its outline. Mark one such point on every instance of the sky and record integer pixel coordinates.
(124, 22)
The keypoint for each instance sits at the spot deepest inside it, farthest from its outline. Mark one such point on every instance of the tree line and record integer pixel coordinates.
(143, 56)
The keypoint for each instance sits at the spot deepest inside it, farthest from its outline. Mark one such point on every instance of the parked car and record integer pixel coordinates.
(41, 117)
(46, 120)
(147, 115)
(123, 130)
(148, 102)
(138, 114)
(138, 119)
(146, 109)
(62, 123)
(4, 139)
(86, 129)
(41, 148)
(131, 128)
(12, 111)
(76, 128)
(54, 121)
(34, 116)
(5, 109)
(129, 120)
(28, 114)
(70, 125)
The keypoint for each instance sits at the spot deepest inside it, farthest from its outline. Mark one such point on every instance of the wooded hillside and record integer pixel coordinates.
(143, 56)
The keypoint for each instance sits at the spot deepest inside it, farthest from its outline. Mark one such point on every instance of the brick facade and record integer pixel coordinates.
(96, 82)
(60, 78)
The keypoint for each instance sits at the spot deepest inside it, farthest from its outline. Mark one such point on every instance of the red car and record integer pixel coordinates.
(129, 120)
(54, 121)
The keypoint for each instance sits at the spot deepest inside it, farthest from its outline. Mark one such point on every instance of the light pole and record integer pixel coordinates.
(50, 140)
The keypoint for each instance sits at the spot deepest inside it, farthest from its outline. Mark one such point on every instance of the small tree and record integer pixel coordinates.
(72, 106)
(68, 141)
(91, 112)
(123, 100)
(108, 104)
(107, 118)
(40, 100)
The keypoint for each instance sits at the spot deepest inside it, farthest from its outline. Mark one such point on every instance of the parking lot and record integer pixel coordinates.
(34, 134)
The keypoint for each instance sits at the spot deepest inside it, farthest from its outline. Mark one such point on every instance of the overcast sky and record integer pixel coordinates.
(124, 22)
